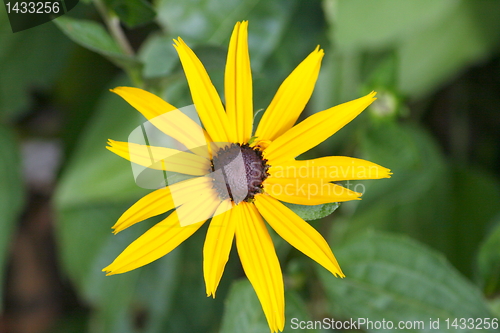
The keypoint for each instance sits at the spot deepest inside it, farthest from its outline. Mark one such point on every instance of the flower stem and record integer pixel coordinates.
(113, 23)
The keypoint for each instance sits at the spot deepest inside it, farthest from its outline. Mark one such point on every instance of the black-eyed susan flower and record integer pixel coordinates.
(239, 179)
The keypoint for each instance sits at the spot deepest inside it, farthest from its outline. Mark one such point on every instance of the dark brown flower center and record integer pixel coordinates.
(238, 172)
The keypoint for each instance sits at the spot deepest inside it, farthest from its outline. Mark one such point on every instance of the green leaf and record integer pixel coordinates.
(132, 12)
(94, 37)
(385, 22)
(467, 34)
(11, 194)
(488, 262)
(397, 279)
(315, 212)
(159, 56)
(475, 194)
(243, 311)
(433, 40)
(303, 30)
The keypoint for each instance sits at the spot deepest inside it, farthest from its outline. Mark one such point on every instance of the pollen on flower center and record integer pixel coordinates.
(238, 172)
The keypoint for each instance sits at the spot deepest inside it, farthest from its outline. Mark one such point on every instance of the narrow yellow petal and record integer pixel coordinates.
(331, 168)
(217, 246)
(291, 98)
(314, 130)
(161, 201)
(165, 235)
(260, 263)
(155, 203)
(160, 158)
(303, 191)
(148, 104)
(238, 84)
(166, 118)
(205, 97)
(200, 207)
(297, 232)
(186, 190)
(153, 244)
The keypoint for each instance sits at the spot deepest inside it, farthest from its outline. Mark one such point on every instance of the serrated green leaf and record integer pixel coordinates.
(243, 311)
(488, 262)
(394, 278)
(94, 37)
(315, 212)
(11, 194)
(132, 12)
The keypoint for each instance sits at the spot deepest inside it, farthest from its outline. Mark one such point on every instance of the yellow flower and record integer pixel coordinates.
(241, 197)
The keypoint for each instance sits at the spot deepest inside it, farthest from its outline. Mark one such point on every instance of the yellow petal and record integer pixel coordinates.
(200, 207)
(307, 191)
(161, 201)
(163, 237)
(205, 97)
(297, 232)
(260, 263)
(166, 118)
(331, 168)
(291, 98)
(314, 130)
(217, 246)
(148, 104)
(153, 244)
(238, 84)
(160, 158)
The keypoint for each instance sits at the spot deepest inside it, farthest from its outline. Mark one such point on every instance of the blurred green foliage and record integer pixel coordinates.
(423, 244)
(11, 194)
